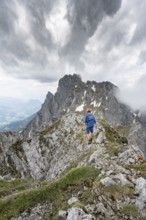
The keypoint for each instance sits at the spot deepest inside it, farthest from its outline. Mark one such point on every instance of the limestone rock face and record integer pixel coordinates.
(71, 93)
(74, 95)
(55, 105)
(55, 137)
(36, 213)
(12, 156)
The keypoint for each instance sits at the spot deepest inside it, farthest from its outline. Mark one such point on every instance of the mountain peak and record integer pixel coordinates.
(69, 82)
(73, 78)
(71, 93)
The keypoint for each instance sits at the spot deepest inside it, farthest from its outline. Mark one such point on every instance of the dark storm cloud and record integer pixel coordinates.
(140, 20)
(10, 42)
(37, 11)
(84, 16)
(111, 35)
(7, 17)
(13, 44)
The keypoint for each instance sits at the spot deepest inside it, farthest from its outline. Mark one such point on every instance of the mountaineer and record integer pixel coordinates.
(89, 121)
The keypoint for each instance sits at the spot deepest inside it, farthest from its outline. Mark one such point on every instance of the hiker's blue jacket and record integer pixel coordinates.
(89, 120)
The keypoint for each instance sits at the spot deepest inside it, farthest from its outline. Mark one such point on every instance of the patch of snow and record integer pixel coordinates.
(94, 103)
(85, 93)
(76, 86)
(106, 98)
(139, 114)
(134, 121)
(99, 104)
(94, 88)
(80, 108)
(73, 100)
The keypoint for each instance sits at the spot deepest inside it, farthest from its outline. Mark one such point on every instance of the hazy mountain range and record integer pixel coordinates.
(15, 113)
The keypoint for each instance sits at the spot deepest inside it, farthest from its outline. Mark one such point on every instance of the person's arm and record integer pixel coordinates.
(85, 119)
(94, 120)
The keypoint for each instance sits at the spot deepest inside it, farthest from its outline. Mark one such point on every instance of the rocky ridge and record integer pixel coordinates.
(55, 141)
(108, 181)
(72, 93)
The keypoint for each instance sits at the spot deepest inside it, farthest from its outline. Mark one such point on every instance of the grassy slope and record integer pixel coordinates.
(57, 191)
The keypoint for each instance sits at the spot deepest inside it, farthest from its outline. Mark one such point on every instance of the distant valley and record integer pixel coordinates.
(15, 114)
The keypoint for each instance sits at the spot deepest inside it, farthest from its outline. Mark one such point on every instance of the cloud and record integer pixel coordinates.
(25, 41)
(84, 16)
(142, 56)
(37, 11)
(102, 40)
(7, 17)
(135, 95)
(140, 21)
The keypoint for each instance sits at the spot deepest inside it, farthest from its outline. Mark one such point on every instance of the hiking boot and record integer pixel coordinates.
(90, 141)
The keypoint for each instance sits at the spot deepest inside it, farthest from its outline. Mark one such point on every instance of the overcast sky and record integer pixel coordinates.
(102, 40)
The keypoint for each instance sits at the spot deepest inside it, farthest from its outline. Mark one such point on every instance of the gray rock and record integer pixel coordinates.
(140, 189)
(140, 204)
(123, 180)
(131, 161)
(107, 181)
(140, 185)
(108, 173)
(101, 209)
(72, 200)
(78, 214)
(130, 155)
(36, 213)
(7, 177)
(62, 214)
(101, 138)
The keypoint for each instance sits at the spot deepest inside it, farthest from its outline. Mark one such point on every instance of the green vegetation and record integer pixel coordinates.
(79, 205)
(88, 196)
(1, 151)
(116, 192)
(12, 167)
(114, 149)
(112, 135)
(138, 167)
(84, 156)
(18, 149)
(130, 210)
(58, 192)
(123, 130)
(82, 137)
(15, 186)
(115, 143)
(17, 145)
(50, 128)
